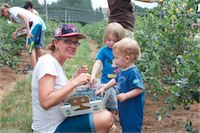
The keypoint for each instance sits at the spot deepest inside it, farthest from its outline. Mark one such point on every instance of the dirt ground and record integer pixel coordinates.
(176, 123)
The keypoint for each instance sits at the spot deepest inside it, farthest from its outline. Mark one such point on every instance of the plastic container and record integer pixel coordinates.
(31, 47)
(79, 104)
(22, 33)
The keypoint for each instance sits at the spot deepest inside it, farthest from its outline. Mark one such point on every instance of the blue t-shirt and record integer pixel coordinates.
(106, 56)
(131, 110)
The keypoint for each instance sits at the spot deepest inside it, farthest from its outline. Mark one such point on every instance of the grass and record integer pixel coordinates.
(82, 57)
(16, 108)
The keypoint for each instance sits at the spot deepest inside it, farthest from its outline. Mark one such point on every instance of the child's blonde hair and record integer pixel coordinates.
(114, 28)
(128, 47)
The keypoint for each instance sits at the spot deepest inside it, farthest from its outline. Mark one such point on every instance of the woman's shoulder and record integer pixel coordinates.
(47, 61)
(47, 58)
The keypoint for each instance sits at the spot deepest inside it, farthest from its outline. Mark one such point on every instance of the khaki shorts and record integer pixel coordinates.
(129, 33)
(111, 103)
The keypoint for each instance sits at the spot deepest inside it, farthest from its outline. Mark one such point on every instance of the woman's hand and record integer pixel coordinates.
(81, 79)
(81, 69)
(29, 35)
(14, 35)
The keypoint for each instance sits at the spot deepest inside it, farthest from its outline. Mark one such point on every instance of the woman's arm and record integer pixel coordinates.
(25, 19)
(50, 97)
(14, 34)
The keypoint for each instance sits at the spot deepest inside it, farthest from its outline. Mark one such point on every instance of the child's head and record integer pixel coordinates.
(28, 5)
(126, 51)
(113, 33)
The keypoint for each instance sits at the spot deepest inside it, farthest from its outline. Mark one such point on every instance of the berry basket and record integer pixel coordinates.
(84, 101)
(22, 33)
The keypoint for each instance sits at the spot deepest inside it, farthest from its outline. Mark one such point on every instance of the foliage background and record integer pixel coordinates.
(169, 65)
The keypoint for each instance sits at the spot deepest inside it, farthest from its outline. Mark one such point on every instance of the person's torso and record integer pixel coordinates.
(121, 11)
(131, 110)
(14, 11)
(106, 56)
(47, 120)
(129, 79)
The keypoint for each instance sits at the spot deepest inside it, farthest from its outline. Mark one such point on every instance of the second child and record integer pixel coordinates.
(104, 59)
(129, 84)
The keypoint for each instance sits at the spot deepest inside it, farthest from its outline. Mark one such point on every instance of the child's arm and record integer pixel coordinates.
(133, 93)
(96, 67)
(111, 83)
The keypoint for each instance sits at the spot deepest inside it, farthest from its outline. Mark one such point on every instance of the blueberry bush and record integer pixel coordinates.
(171, 55)
(9, 49)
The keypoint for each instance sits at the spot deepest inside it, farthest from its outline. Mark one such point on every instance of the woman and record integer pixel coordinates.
(50, 87)
(33, 24)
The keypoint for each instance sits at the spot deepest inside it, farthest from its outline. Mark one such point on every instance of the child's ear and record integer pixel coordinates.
(128, 58)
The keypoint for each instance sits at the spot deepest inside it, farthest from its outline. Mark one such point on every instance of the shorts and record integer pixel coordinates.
(37, 33)
(42, 37)
(111, 103)
(129, 33)
(81, 123)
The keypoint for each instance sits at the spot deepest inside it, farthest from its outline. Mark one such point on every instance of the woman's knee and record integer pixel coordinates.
(108, 117)
(103, 120)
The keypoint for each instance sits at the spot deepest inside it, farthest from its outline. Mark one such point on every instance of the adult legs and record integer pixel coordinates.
(33, 58)
(39, 48)
(103, 121)
(39, 52)
(129, 33)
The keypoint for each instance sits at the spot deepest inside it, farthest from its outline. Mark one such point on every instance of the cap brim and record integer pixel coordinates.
(80, 36)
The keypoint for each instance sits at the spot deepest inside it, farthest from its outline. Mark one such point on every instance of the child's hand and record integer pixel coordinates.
(100, 91)
(121, 97)
(92, 81)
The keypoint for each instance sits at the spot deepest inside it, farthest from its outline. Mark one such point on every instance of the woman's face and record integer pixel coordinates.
(67, 46)
(111, 40)
(5, 12)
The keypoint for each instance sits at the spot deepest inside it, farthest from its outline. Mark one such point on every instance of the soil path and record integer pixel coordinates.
(9, 77)
(176, 122)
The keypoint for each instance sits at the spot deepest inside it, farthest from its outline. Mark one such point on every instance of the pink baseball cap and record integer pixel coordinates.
(67, 30)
